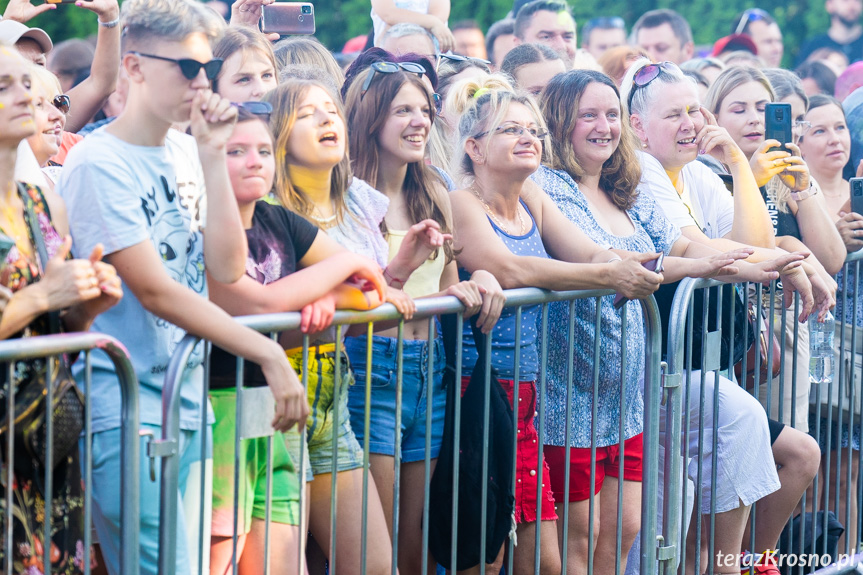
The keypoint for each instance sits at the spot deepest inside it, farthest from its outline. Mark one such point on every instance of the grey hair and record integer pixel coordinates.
(485, 114)
(405, 29)
(171, 20)
(643, 97)
(786, 83)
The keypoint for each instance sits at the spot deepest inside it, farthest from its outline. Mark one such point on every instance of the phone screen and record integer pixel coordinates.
(777, 118)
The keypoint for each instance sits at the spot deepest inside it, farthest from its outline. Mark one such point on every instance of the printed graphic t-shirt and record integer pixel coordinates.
(278, 240)
(120, 195)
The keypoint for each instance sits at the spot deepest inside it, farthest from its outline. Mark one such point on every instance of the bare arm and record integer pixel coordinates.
(481, 248)
(225, 249)
(818, 232)
(433, 22)
(141, 270)
(89, 96)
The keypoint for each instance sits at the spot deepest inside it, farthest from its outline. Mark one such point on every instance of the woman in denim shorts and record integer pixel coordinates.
(390, 112)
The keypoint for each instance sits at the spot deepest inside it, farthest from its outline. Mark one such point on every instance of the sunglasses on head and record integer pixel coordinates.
(390, 68)
(751, 15)
(263, 110)
(459, 58)
(190, 68)
(645, 76)
(62, 102)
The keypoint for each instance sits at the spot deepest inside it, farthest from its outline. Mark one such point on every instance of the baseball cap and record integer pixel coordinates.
(734, 42)
(12, 31)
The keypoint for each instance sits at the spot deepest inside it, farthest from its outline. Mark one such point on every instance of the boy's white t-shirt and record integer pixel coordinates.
(704, 194)
(120, 195)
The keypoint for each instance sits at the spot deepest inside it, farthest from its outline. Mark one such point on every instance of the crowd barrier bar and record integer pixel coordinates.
(272, 323)
(50, 347)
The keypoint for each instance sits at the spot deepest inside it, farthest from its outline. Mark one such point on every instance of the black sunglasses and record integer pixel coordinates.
(390, 68)
(459, 58)
(263, 110)
(62, 102)
(190, 68)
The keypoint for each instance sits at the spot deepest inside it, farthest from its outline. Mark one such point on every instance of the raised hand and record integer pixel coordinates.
(420, 242)
(68, 282)
(23, 10)
(109, 284)
(716, 141)
(213, 119)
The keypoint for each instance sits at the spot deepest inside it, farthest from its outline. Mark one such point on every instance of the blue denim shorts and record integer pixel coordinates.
(414, 389)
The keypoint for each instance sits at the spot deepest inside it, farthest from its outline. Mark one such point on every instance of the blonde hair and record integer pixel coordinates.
(731, 79)
(486, 109)
(305, 50)
(286, 99)
(146, 21)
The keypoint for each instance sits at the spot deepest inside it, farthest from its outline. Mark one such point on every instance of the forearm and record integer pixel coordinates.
(819, 234)
(189, 311)
(225, 247)
(528, 271)
(26, 304)
(752, 223)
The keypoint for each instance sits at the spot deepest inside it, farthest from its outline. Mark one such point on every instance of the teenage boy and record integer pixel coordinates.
(121, 190)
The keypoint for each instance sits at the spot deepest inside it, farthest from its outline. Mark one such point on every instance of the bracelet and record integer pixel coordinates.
(615, 259)
(392, 278)
(112, 24)
(808, 193)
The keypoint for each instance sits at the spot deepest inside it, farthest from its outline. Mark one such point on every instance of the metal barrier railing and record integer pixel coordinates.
(51, 347)
(516, 300)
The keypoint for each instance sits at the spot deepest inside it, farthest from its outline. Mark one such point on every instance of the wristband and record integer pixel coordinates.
(798, 196)
(392, 278)
(112, 24)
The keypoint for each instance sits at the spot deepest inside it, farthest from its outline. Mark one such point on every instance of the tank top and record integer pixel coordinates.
(504, 334)
(425, 279)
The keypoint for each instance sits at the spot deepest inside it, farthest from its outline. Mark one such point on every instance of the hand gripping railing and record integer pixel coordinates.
(166, 447)
(50, 346)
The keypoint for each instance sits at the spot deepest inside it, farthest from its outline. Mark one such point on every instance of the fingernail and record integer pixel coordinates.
(701, 152)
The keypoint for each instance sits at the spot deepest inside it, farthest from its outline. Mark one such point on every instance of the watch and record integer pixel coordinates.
(808, 193)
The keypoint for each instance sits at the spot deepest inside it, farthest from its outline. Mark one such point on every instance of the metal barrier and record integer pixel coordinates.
(51, 347)
(834, 408)
(517, 300)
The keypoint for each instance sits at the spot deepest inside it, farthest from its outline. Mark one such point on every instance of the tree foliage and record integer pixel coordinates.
(340, 20)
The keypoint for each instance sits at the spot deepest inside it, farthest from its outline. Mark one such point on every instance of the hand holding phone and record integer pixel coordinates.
(654, 265)
(777, 123)
(288, 18)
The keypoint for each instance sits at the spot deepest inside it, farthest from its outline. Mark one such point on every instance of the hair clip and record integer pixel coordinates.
(480, 93)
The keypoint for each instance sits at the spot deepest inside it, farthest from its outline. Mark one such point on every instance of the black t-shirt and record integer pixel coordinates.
(853, 50)
(278, 240)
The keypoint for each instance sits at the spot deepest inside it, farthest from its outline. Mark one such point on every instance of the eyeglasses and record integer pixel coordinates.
(514, 130)
(261, 109)
(802, 127)
(390, 68)
(646, 75)
(438, 102)
(190, 68)
(62, 102)
(751, 15)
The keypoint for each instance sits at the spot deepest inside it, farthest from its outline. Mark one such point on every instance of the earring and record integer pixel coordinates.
(479, 160)
(644, 145)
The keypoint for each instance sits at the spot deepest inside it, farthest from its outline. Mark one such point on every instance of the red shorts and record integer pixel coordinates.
(607, 463)
(527, 473)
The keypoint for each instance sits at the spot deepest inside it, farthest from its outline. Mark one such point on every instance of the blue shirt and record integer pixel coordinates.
(504, 336)
(653, 233)
(120, 195)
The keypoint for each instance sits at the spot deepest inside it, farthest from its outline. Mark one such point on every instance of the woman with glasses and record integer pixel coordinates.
(51, 106)
(506, 224)
(390, 116)
(797, 210)
(826, 146)
(673, 130)
(592, 179)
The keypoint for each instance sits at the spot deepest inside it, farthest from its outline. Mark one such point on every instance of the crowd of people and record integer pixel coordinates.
(183, 170)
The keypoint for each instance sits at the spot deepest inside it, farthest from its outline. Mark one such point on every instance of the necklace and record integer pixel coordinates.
(326, 222)
(492, 215)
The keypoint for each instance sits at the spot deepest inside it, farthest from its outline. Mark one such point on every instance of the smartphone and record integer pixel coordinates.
(288, 18)
(777, 121)
(652, 265)
(857, 195)
(63, 1)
